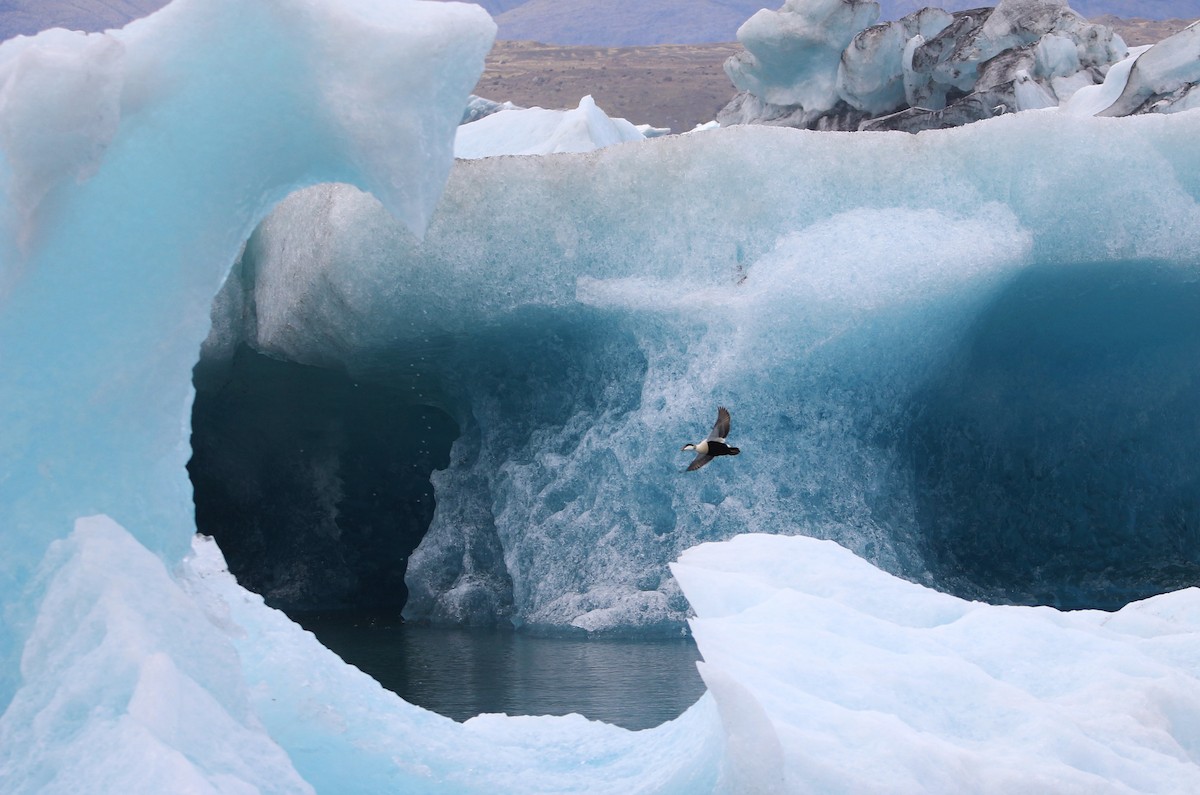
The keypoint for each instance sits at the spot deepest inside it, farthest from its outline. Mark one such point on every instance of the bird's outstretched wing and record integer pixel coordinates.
(700, 460)
(721, 428)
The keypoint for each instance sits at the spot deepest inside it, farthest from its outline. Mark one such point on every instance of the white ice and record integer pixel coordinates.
(824, 675)
(1091, 100)
(538, 131)
(801, 60)
(1166, 67)
(867, 683)
(791, 55)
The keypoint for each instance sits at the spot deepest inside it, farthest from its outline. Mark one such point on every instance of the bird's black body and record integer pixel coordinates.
(714, 445)
(720, 448)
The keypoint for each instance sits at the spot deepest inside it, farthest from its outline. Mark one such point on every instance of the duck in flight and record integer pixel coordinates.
(714, 445)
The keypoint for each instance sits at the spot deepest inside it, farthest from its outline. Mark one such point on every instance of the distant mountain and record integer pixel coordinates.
(496, 7)
(1139, 9)
(628, 22)
(611, 23)
(617, 23)
(1127, 9)
(27, 17)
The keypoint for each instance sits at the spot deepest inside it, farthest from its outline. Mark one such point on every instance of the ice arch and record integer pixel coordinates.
(131, 679)
(829, 287)
(135, 164)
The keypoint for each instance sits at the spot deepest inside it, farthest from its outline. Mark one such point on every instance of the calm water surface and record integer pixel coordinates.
(461, 673)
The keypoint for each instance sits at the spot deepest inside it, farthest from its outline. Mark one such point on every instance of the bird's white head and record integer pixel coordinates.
(689, 446)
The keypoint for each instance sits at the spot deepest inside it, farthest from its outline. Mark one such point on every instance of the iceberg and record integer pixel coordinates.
(931, 69)
(480, 107)
(840, 325)
(1091, 100)
(823, 674)
(969, 357)
(791, 55)
(183, 681)
(832, 677)
(538, 131)
(1164, 78)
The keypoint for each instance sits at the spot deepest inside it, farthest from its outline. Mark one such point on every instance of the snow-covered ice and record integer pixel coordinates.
(872, 684)
(1164, 78)
(538, 131)
(824, 675)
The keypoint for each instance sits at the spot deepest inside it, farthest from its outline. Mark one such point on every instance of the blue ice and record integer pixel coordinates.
(836, 290)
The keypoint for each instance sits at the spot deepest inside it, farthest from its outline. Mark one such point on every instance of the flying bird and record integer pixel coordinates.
(714, 445)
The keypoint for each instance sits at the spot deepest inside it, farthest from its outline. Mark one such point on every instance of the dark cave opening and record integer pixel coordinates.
(316, 485)
(1054, 459)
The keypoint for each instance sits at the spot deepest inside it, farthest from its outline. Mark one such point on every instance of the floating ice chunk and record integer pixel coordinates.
(928, 70)
(1091, 100)
(127, 685)
(1022, 55)
(167, 142)
(479, 107)
(537, 131)
(791, 55)
(953, 60)
(874, 684)
(650, 131)
(1168, 68)
(873, 66)
(531, 474)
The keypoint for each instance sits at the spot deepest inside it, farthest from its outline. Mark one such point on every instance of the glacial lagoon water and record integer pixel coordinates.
(460, 673)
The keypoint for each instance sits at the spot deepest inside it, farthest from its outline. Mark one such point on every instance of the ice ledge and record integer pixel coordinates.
(876, 684)
(825, 675)
(133, 166)
(142, 681)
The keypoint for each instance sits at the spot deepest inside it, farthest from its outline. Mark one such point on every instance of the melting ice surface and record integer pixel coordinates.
(865, 303)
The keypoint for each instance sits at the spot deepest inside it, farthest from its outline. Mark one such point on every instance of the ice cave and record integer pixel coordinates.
(958, 552)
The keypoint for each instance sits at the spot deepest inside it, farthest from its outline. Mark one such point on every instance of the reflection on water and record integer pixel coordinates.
(461, 673)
